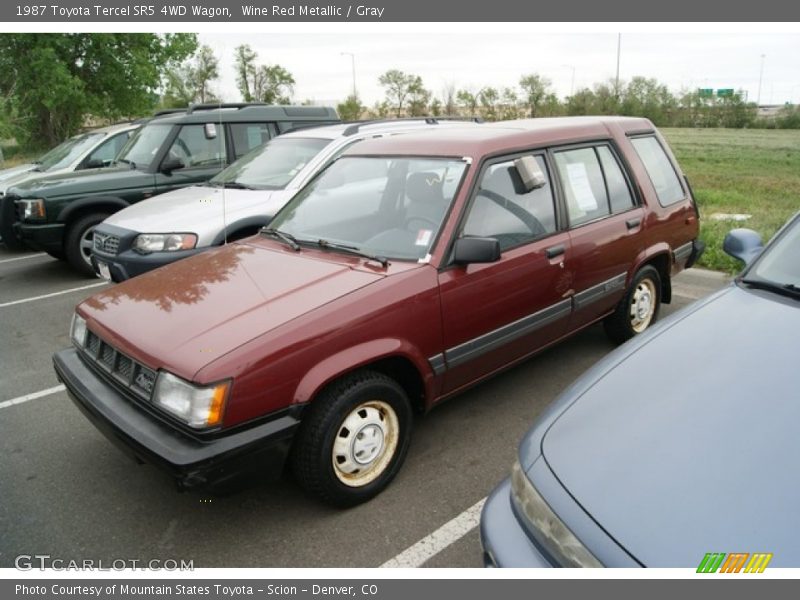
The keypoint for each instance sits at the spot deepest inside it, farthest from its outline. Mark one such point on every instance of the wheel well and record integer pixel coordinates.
(661, 264)
(242, 233)
(402, 371)
(91, 208)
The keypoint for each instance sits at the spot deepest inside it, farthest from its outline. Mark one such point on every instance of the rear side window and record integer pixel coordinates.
(660, 169)
(108, 150)
(504, 210)
(247, 136)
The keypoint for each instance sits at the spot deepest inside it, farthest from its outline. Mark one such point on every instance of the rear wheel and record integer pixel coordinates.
(353, 439)
(79, 239)
(638, 309)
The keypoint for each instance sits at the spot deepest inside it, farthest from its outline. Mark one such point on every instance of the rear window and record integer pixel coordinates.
(668, 186)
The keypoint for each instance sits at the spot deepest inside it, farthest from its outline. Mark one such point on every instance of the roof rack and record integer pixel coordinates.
(357, 125)
(214, 106)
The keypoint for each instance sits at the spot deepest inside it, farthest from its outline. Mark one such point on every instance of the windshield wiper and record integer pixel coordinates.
(126, 161)
(353, 250)
(785, 289)
(235, 185)
(287, 238)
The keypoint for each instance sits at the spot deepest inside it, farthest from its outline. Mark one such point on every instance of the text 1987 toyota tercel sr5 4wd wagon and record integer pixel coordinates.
(410, 269)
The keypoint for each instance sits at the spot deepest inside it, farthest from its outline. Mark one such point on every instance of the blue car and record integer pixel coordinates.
(680, 448)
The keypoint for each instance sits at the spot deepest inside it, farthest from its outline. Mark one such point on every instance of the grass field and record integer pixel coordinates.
(739, 171)
(732, 171)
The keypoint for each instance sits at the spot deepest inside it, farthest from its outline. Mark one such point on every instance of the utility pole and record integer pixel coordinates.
(619, 48)
(353, 63)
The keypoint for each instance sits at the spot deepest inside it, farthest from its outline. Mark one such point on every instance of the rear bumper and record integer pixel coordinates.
(191, 461)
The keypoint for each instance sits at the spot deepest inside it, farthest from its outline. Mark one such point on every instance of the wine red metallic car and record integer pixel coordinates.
(409, 270)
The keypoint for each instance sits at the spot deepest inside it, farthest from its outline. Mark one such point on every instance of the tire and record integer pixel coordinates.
(78, 241)
(638, 309)
(353, 439)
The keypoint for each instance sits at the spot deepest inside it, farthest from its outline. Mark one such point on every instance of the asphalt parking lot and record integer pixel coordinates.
(69, 493)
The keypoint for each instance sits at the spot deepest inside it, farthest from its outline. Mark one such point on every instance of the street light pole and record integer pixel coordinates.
(353, 63)
(760, 79)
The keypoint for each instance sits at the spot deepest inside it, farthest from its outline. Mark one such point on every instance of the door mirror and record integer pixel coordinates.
(170, 164)
(468, 250)
(744, 244)
(530, 173)
(210, 131)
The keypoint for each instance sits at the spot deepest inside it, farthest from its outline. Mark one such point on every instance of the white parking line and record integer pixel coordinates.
(432, 544)
(5, 260)
(42, 297)
(33, 396)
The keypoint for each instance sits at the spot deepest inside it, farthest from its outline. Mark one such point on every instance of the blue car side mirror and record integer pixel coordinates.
(744, 244)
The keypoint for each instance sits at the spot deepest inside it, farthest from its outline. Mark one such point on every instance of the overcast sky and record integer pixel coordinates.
(476, 59)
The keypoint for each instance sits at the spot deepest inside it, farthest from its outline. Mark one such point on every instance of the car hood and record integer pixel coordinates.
(185, 315)
(89, 180)
(198, 209)
(689, 445)
(10, 174)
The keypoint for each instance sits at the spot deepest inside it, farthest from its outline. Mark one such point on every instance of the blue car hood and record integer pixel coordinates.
(691, 444)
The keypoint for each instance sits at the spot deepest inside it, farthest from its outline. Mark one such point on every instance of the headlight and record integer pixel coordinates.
(197, 406)
(32, 209)
(545, 525)
(77, 330)
(164, 242)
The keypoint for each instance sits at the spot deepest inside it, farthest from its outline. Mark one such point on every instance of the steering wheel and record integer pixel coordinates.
(409, 220)
(530, 221)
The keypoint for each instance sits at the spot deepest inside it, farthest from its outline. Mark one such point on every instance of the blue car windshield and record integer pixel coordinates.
(780, 263)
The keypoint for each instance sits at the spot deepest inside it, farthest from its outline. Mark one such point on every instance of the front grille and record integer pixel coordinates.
(132, 375)
(109, 244)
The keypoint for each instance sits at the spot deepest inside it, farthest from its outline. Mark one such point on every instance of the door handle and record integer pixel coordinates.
(633, 223)
(554, 251)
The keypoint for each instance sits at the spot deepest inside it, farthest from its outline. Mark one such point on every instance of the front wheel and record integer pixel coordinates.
(638, 309)
(353, 439)
(79, 239)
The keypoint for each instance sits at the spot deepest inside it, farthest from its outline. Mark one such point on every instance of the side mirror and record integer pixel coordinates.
(530, 173)
(210, 131)
(171, 164)
(468, 250)
(743, 244)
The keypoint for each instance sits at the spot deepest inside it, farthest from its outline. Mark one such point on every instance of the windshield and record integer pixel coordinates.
(780, 263)
(387, 207)
(67, 152)
(143, 146)
(272, 166)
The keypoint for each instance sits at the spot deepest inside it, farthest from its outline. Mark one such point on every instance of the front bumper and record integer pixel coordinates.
(504, 542)
(193, 462)
(45, 237)
(129, 264)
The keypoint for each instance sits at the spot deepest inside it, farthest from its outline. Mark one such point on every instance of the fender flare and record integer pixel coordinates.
(646, 256)
(89, 201)
(360, 355)
(254, 221)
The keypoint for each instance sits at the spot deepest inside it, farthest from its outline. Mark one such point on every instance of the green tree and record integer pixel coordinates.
(648, 98)
(418, 98)
(535, 88)
(190, 81)
(398, 87)
(468, 101)
(350, 109)
(510, 105)
(53, 81)
(489, 99)
(272, 84)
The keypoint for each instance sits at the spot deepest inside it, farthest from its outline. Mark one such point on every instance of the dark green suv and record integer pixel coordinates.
(58, 214)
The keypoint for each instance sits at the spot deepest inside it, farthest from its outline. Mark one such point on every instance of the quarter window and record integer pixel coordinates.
(504, 210)
(618, 191)
(247, 136)
(660, 169)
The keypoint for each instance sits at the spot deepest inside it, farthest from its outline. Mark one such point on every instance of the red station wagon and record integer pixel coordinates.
(409, 270)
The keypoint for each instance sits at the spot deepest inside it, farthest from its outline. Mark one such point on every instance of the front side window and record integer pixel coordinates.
(392, 207)
(195, 148)
(141, 149)
(503, 209)
(272, 166)
(660, 169)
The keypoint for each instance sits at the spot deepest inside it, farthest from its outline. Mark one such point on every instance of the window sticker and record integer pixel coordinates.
(424, 237)
(581, 188)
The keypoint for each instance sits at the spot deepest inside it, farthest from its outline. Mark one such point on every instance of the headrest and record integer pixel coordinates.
(424, 186)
